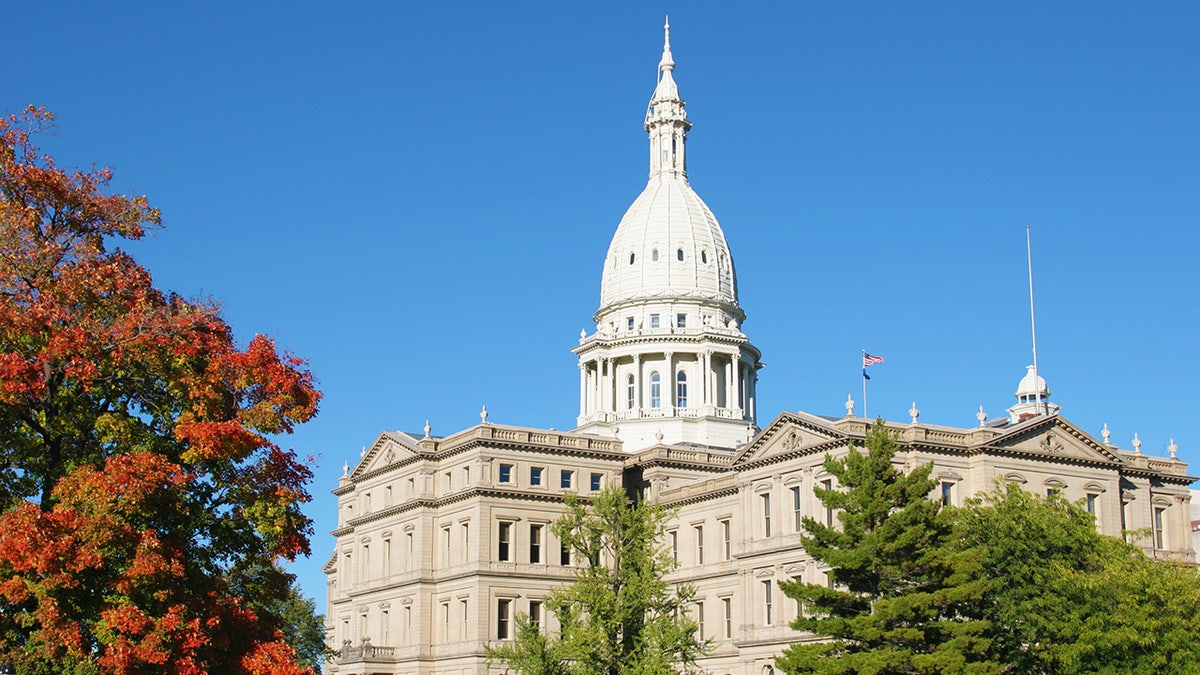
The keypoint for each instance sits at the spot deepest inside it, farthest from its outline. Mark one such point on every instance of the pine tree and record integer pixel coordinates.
(901, 598)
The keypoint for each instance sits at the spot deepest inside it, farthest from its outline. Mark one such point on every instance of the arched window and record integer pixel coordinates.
(704, 257)
(631, 256)
(655, 390)
(679, 255)
(631, 390)
(681, 389)
(654, 255)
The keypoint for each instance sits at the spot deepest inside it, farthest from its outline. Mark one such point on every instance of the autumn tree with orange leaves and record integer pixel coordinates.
(137, 468)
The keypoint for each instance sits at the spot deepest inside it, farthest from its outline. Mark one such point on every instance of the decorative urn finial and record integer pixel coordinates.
(981, 416)
(849, 405)
(914, 413)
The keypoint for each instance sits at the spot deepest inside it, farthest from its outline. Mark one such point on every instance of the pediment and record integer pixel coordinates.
(389, 448)
(1054, 437)
(787, 434)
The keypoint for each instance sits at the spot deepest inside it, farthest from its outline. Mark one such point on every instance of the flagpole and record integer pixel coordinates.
(864, 378)
(1033, 324)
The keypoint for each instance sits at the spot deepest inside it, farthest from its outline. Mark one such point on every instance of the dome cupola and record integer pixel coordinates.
(668, 362)
(1033, 398)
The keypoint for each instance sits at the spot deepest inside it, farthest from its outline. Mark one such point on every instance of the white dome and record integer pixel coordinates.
(668, 246)
(1029, 386)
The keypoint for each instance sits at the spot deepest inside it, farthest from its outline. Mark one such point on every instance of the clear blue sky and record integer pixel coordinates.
(418, 197)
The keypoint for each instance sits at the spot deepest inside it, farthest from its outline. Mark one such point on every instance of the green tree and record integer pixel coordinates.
(901, 599)
(272, 594)
(1063, 598)
(619, 615)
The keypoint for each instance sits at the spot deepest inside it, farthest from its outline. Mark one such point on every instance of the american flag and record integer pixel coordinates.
(871, 359)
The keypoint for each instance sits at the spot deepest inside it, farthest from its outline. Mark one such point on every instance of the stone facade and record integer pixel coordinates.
(442, 541)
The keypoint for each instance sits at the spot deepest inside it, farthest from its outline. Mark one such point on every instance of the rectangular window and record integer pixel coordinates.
(446, 545)
(535, 543)
(1091, 504)
(654, 321)
(629, 323)
(947, 493)
(673, 539)
(535, 613)
(700, 620)
(726, 540)
(765, 498)
(535, 475)
(448, 480)
(466, 476)
(564, 555)
(465, 540)
(387, 496)
(597, 480)
(446, 621)
(463, 625)
(504, 543)
(387, 556)
(727, 613)
(1159, 539)
(801, 610)
(506, 473)
(408, 550)
(699, 544)
(567, 479)
(503, 618)
(768, 607)
(828, 485)
(797, 511)
(681, 320)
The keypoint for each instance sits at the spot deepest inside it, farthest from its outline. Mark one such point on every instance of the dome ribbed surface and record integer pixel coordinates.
(668, 217)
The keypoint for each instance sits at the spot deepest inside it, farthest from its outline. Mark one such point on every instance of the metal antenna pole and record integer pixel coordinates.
(1032, 323)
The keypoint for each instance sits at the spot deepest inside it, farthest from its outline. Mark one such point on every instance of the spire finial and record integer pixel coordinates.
(667, 61)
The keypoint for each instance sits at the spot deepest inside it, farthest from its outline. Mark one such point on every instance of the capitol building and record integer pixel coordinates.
(443, 540)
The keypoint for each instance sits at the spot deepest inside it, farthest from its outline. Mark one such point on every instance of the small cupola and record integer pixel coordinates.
(1033, 398)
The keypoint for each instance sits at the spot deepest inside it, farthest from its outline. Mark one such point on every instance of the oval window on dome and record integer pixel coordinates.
(704, 257)
(631, 258)
(679, 255)
(654, 255)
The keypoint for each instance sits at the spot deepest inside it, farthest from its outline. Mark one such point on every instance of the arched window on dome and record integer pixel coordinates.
(681, 389)
(679, 255)
(654, 255)
(655, 390)
(631, 256)
(631, 392)
(704, 257)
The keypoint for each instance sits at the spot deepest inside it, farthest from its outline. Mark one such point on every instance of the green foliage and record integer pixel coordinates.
(619, 615)
(1063, 598)
(271, 592)
(902, 600)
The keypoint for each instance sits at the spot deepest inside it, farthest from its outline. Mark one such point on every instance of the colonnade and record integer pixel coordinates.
(724, 382)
